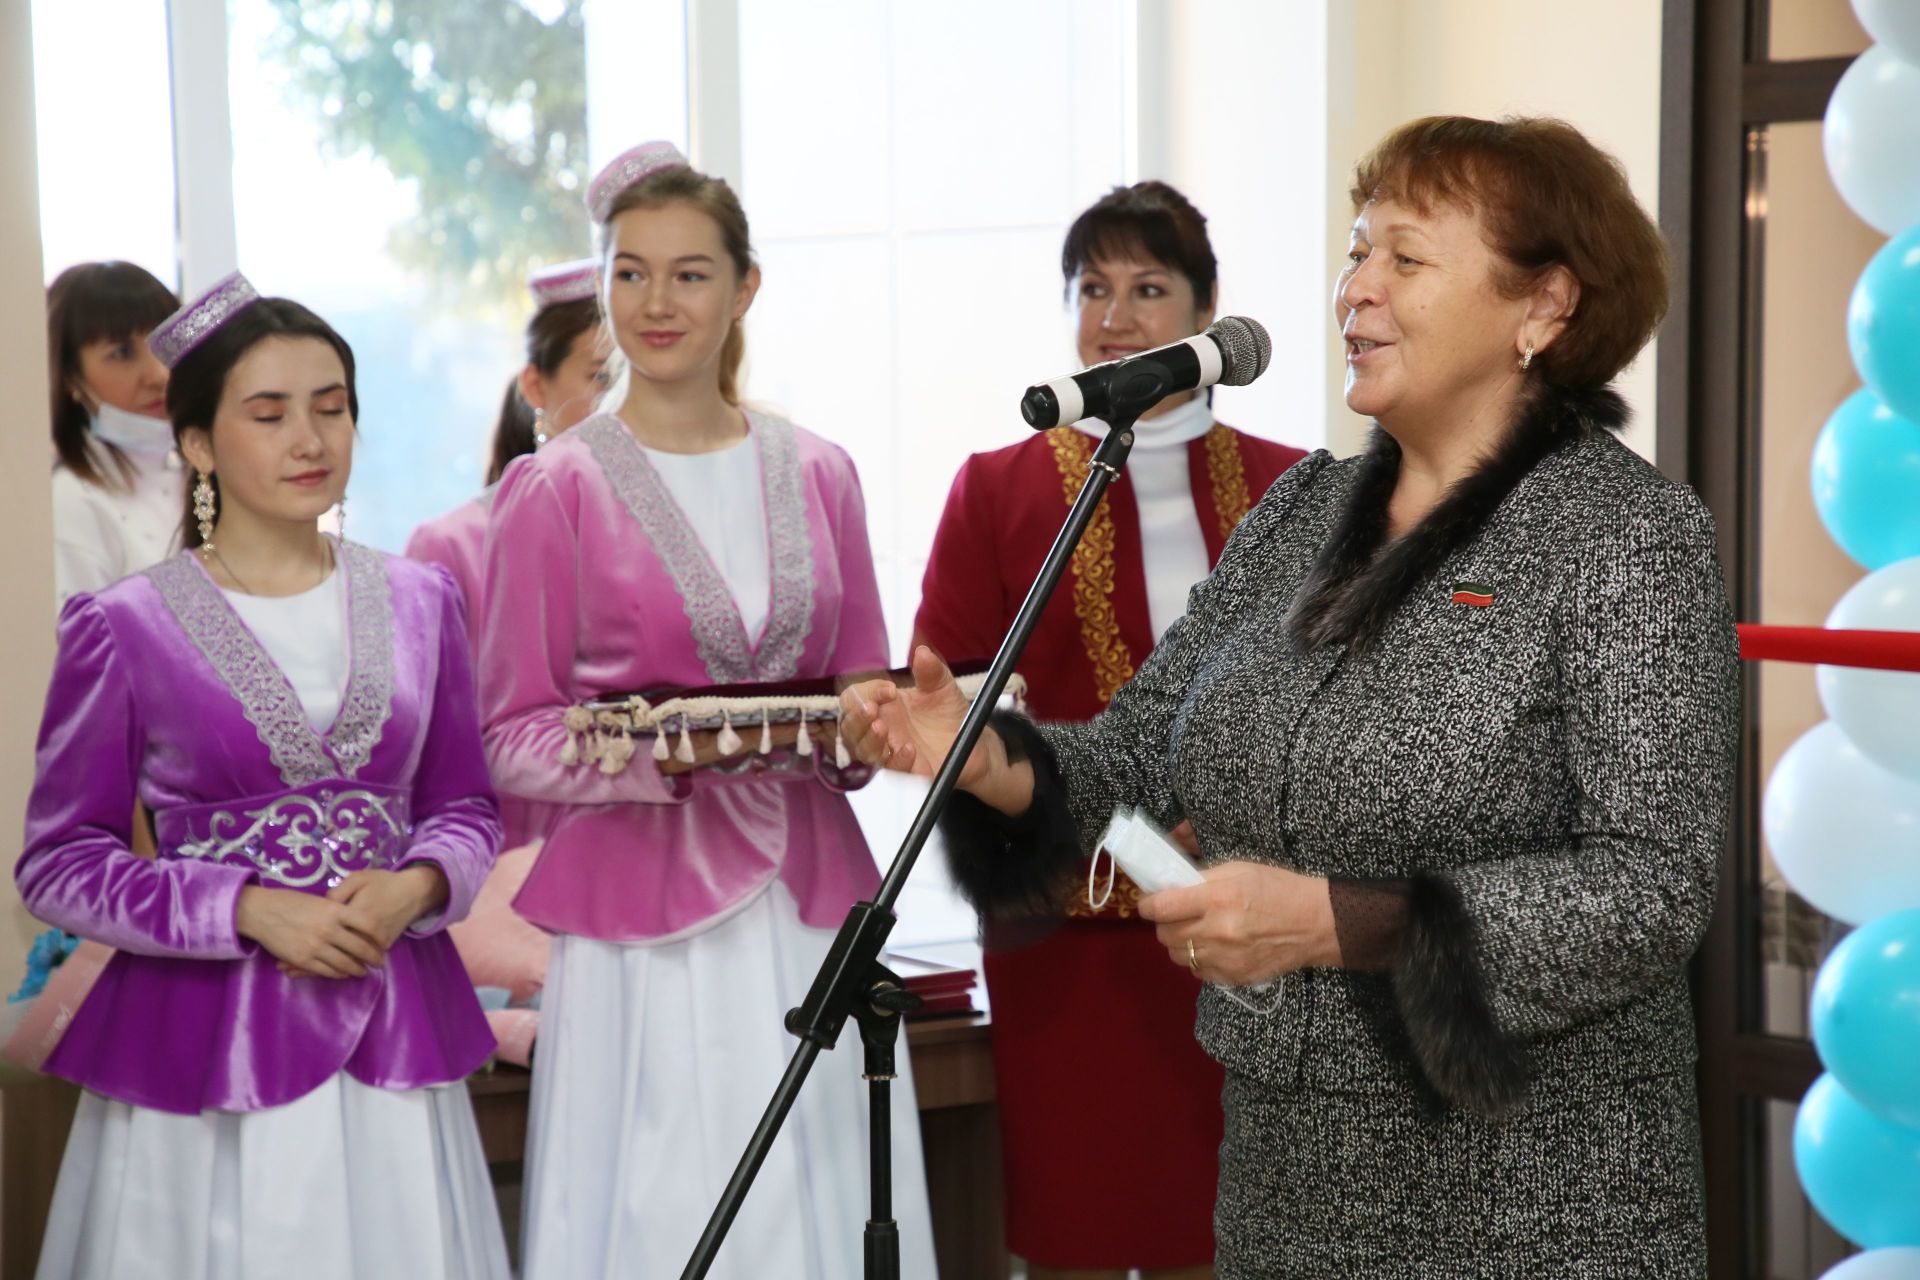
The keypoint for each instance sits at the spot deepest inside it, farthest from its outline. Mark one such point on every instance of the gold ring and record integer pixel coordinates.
(1193, 958)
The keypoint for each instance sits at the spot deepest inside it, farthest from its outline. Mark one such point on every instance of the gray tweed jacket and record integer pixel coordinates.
(1550, 770)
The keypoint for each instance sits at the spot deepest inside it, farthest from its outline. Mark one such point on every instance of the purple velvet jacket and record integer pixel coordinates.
(160, 691)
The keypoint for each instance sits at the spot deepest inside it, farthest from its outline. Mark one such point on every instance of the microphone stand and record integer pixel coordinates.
(852, 983)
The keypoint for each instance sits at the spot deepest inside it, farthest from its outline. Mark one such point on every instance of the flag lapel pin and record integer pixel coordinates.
(1477, 594)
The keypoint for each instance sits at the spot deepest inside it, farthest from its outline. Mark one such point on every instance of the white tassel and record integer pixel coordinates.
(803, 745)
(578, 720)
(661, 751)
(728, 741)
(766, 733)
(619, 751)
(684, 751)
(840, 756)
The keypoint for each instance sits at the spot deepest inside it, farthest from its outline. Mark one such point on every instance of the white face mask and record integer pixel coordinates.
(135, 432)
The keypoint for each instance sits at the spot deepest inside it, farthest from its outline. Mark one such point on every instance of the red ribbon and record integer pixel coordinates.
(1878, 650)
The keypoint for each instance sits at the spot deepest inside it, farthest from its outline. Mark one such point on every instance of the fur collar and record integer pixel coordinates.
(1356, 584)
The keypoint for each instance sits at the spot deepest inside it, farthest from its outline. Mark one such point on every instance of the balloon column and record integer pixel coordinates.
(1842, 810)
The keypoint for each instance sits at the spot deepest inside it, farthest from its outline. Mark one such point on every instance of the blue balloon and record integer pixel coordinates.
(1883, 324)
(1861, 1172)
(1866, 1016)
(1866, 481)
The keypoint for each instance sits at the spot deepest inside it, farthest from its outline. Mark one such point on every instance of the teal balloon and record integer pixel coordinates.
(1866, 1016)
(1866, 481)
(1883, 324)
(1860, 1171)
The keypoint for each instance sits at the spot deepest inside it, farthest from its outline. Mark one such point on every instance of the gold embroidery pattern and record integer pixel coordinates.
(1124, 902)
(1228, 476)
(1093, 570)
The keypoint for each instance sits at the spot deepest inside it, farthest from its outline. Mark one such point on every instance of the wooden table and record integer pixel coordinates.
(953, 1079)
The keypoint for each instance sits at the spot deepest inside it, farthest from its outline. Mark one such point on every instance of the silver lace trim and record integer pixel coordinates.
(265, 696)
(368, 701)
(300, 840)
(790, 612)
(625, 169)
(718, 634)
(192, 324)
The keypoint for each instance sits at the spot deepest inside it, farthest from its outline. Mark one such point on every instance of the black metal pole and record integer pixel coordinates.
(851, 981)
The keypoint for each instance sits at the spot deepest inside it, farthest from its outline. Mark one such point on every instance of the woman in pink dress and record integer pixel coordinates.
(684, 540)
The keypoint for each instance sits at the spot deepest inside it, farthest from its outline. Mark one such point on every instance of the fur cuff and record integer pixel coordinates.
(1012, 866)
(1443, 1001)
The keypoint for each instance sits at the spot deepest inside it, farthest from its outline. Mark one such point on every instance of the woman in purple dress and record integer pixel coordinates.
(274, 1059)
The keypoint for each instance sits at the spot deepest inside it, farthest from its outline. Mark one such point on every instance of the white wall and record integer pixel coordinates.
(1596, 66)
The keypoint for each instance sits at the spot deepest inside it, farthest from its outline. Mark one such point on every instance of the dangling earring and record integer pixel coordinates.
(539, 427)
(1526, 358)
(340, 518)
(203, 512)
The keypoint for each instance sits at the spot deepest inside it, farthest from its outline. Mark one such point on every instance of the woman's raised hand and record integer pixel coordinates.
(910, 728)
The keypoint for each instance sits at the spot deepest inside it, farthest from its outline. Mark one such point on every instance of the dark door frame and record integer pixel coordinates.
(1718, 92)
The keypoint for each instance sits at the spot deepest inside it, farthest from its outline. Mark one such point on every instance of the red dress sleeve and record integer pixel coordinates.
(963, 606)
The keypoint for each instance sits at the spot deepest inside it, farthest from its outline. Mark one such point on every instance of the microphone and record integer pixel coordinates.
(1234, 350)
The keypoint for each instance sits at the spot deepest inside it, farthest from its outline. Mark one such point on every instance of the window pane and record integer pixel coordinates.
(1813, 251)
(399, 167)
(1799, 1244)
(911, 237)
(1813, 29)
(105, 158)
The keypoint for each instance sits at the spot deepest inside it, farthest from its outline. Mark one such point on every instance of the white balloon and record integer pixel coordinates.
(1881, 1264)
(1879, 710)
(1895, 24)
(1844, 832)
(1872, 137)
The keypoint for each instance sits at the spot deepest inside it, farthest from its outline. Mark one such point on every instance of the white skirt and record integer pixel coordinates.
(653, 1066)
(348, 1182)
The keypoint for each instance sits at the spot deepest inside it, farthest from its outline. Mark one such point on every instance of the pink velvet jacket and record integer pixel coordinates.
(160, 690)
(457, 541)
(596, 583)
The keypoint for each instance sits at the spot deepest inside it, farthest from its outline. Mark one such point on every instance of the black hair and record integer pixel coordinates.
(200, 378)
(1151, 220)
(550, 338)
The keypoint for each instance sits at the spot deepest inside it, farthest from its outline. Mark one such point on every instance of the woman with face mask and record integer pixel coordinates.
(275, 1058)
(679, 540)
(117, 481)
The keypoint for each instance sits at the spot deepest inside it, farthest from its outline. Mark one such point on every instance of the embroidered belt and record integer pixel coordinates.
(311, 838)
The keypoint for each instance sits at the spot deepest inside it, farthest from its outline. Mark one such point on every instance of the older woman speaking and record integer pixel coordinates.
(1454, 722)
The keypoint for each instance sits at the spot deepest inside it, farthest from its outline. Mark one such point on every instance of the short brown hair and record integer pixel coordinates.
(713, 197)
(1548, 197)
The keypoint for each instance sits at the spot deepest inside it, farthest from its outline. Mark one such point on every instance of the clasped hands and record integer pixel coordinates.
(347, 932)
(1248, 923)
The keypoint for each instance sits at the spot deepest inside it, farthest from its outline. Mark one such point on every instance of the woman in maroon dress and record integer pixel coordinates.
(1110, 1115)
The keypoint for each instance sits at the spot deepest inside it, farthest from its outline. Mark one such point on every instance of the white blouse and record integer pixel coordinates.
(306, 636)
(103, 533)
(720, 494)
(1171, 544)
